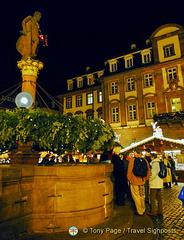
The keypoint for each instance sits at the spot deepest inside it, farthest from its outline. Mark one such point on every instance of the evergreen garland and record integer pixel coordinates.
(55, 132)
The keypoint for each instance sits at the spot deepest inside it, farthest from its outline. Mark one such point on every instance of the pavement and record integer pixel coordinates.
(125, 225)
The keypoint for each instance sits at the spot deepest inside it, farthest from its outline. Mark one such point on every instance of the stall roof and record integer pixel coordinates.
(152, 138)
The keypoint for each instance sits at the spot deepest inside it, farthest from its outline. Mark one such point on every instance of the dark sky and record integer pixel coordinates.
(80, 33)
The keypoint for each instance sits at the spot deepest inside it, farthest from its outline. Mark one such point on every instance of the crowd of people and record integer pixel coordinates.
(50, 159)
(135, 176)
(142, 189)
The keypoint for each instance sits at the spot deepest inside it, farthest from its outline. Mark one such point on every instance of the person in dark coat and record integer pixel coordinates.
(147, 190)
(173, 170)
(120, 179)
(126, 158)
(106, 155)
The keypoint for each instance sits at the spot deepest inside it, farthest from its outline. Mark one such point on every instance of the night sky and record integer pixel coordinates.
(80, 34)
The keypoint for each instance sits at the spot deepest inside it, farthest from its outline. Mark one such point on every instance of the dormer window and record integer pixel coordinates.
(128, 61)
(146, 56)
(100, 73)
(169, 50)
(79, 82)
(113, 66)
(70, 84)
(90, 79)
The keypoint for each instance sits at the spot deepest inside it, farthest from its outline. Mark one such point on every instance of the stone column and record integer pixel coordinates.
(29, 69)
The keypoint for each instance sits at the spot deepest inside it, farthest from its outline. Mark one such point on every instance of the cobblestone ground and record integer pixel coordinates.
(172, 222)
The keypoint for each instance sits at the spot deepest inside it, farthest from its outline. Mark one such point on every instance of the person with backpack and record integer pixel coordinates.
(138, 173)
(155, 185)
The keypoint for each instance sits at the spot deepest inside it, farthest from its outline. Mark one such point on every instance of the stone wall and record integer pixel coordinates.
(53, 198)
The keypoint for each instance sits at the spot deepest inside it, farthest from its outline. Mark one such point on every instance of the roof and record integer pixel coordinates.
(152, 138)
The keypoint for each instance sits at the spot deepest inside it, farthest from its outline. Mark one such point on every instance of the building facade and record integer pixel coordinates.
(136, 88)
(83, 95)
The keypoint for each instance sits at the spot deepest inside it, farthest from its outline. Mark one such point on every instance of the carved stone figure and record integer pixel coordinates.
(27, 44)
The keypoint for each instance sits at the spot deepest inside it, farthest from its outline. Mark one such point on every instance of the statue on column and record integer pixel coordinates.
(27, 43)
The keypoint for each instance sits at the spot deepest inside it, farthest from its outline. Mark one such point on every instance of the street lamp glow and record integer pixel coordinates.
(24, 100)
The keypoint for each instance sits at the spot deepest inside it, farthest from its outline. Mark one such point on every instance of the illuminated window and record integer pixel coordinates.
(78, 100)
(89, 98)
(176, 104)
(130, 84)
(148, 80)
(150, 109)
(99, 96)
(132, 112)
(114, 87)
(70, 84)
(169, 50)
(69, 102)
(115, 114)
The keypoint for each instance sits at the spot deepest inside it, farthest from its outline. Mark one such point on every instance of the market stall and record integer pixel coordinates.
(157, 143)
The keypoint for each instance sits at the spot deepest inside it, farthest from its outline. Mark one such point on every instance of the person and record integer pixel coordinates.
(137, 185)
(119, 177)
(27, 43)
(147, 192)
(64, 159)
(155, 185)
(173, 170)
(125, 158)
(45, 160)
(71, 160)
(106, 155)
(52, 160)
(168, 179)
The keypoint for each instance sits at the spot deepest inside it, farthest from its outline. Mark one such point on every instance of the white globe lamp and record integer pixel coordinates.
(24, 100)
